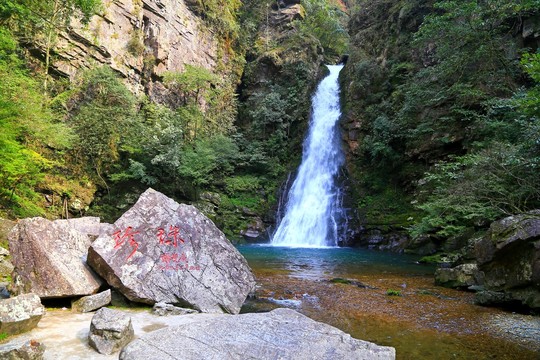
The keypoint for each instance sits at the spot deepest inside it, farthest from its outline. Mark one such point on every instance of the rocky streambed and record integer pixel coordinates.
(392, 307)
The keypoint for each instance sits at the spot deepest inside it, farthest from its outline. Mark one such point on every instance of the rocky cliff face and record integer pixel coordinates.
(141, 39)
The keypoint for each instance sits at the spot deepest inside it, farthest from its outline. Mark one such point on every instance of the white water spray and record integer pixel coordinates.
(313, 204)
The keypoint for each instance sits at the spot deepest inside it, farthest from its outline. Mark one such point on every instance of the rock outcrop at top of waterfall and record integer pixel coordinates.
(162, 251)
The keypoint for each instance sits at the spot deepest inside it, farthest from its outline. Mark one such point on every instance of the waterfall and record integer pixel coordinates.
(313, 203)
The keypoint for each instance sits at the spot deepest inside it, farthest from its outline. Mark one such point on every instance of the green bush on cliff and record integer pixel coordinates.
(436, 91)
(27, 129)
(325, 21)
(103, 116)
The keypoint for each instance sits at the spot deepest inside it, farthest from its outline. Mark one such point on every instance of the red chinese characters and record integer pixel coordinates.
(171, 238)
(176, 262)
(129, 236)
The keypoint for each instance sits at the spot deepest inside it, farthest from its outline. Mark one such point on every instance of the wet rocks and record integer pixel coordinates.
(49, 259)
(461, 276)
(110, 330)
(162, 251)
(30, 350)
(509, 257)
(20, 314)
(92, 302)
(279, 334)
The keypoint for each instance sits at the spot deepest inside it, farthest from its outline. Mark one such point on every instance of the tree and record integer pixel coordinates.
(47, 19)
(27, 126)
(103, 116)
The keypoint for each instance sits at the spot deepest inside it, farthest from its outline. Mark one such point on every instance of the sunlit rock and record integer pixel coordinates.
(162, 251)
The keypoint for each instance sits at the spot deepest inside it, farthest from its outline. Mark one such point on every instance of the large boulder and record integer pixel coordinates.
(110, 331)
(162, 251)
(509, 257)
(49, 259)
(20, 314)
(279, 334)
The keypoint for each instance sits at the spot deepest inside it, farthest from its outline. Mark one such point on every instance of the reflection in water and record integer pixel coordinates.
(316, 263)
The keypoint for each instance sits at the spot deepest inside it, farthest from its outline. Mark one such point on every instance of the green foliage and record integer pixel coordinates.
(42, 21)
(440, 118)
(208, 161)
(392, 292)
(3, 336)
(26, 128)
(220, 14)
(135, 45)
(475, 189)
(326, 22)
(207, 103)
(243, 183)
(103, 116)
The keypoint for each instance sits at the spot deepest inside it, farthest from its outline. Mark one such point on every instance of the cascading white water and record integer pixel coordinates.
(312, 211)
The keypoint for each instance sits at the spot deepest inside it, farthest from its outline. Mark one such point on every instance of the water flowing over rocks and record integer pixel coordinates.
(110, 330)
(313, 212)
(92, 302)
(20, 314)
(279, 334)
(162, 251)
(49, 259)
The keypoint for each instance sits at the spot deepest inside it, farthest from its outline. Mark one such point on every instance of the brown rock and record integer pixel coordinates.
(92, 302)
(138, 37)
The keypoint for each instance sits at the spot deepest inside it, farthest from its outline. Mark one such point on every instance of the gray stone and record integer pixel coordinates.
(30, 350)
(162, 251)
(279, 334)
(254, 231)
(172, 34)
(110, 331)
(509, 257)
(164, 309)
(49, 259)
(20, 314)
(461, 276)
(89, 225)
(92, 302)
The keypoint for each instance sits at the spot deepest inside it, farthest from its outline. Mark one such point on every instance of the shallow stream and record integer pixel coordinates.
(419, 319)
